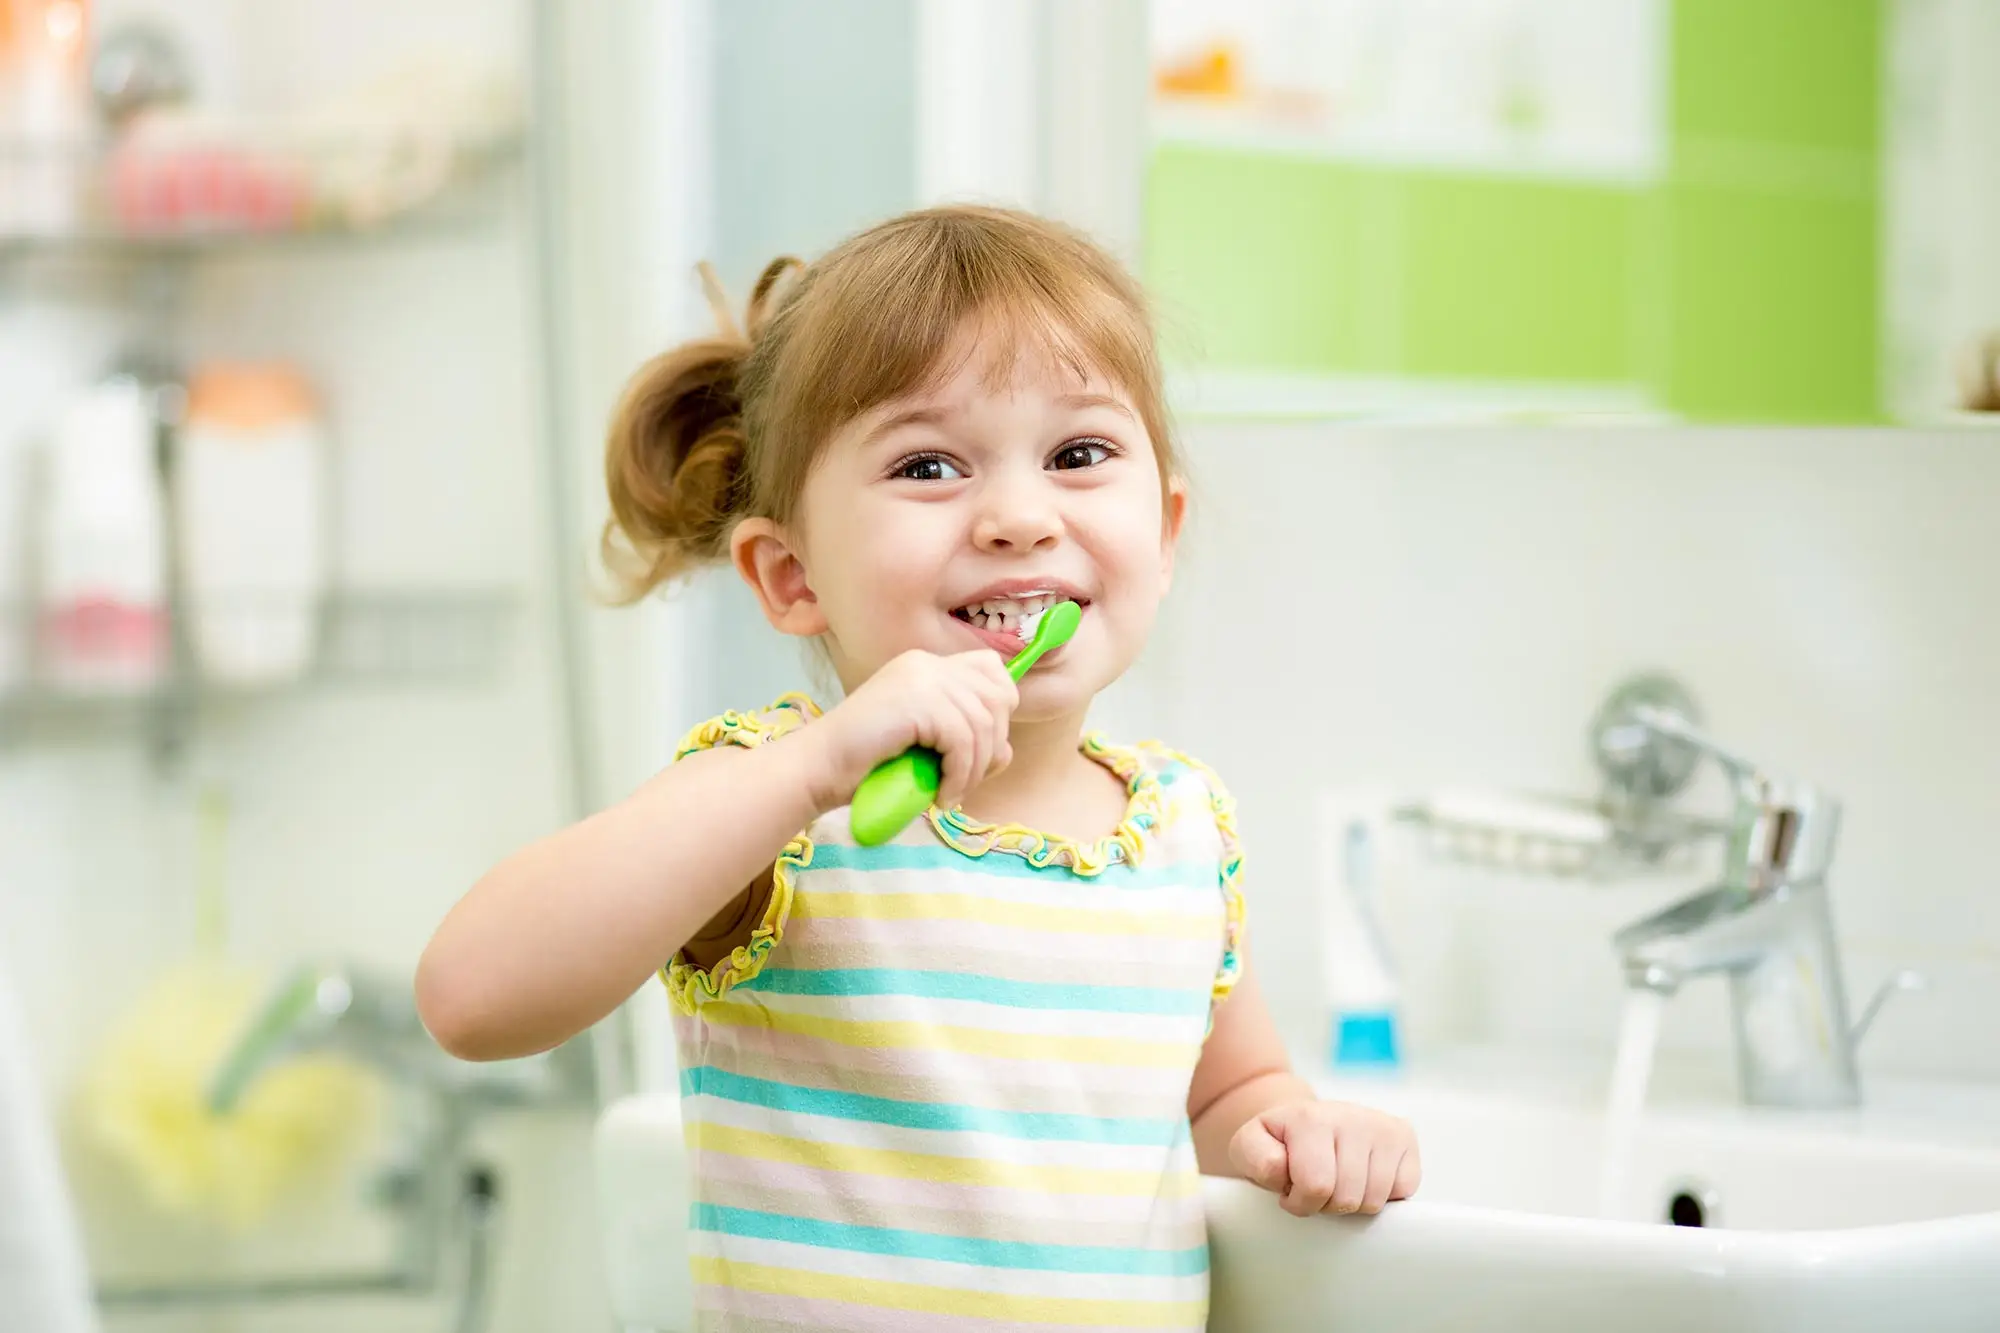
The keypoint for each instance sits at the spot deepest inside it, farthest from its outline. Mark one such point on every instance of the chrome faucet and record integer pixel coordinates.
(325, 1008)
(1766, 925)
(372, 1017)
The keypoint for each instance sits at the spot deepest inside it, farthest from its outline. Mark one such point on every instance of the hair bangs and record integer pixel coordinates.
(937, 298)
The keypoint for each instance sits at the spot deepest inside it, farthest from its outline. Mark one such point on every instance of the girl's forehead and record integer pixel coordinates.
(977, 369)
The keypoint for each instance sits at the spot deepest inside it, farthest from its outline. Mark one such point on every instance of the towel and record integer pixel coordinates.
(44, 1284)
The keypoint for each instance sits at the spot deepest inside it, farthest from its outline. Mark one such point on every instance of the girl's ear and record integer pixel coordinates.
(763, 554)
(1175, 512)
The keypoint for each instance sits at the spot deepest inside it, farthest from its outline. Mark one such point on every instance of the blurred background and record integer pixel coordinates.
(1519, 347)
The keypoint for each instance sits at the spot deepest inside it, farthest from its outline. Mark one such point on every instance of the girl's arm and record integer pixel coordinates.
(1243, 1071)
(1253, 1117)
(559, 934)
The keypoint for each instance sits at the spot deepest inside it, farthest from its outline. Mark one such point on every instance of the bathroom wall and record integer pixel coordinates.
(1420, 608)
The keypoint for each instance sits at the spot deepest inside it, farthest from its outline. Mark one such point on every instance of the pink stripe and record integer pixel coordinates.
(977, 1072)
(802, 1312)
(898, 942)
(1167, 1215)
(805, 1312)
(1191, 888)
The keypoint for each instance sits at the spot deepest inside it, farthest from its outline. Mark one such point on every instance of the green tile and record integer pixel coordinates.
(1296, 264)
(1772, 242)
(1256, 261)
(1802, 74)
(1742, 287)
(1513, 279)
(1774, 312)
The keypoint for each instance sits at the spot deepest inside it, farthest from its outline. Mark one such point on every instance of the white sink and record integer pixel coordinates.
(1882, 1219)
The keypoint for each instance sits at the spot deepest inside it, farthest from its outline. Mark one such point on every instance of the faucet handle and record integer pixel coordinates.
(1781, 832)
(1904, 979)
(1668, 722)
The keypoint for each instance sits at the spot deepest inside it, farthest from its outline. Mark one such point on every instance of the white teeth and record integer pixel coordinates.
(1018, 615)
(1012, 607)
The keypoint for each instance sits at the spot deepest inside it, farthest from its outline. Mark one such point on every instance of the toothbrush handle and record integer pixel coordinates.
(898, 790)
(895, 792)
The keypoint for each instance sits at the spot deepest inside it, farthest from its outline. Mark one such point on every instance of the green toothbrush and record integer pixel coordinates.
(897, 790)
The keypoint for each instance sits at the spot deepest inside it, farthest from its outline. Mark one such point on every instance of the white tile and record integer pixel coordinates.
(1430, 608)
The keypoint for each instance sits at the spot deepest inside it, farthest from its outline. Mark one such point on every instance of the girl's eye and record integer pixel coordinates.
(928, 467)
(1081, 454)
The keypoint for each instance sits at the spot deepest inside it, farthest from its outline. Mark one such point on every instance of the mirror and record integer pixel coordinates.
(1777, 211)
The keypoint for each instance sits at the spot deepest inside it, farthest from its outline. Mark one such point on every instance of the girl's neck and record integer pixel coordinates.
(1049, 785)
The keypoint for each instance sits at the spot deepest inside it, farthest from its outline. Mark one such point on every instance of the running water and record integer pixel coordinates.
(1638, 1034)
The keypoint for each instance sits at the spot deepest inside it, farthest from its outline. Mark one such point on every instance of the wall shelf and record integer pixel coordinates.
(422, 639)
(154, 205)
(1235, 130)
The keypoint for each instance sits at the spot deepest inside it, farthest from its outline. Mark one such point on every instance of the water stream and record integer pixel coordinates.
(1638, 1035)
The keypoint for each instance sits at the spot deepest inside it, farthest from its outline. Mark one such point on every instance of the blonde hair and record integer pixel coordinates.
(725, 427)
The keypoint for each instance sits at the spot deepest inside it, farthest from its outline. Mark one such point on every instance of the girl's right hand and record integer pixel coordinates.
(959, 706)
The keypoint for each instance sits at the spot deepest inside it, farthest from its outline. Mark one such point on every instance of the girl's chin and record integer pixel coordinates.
(1053, 698)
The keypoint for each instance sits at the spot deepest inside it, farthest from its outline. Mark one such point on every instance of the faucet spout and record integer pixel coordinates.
(1716, 930)
(315, 1008)
(1765, 925)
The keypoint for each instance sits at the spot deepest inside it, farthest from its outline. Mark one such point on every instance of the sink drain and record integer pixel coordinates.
(1690, 1203)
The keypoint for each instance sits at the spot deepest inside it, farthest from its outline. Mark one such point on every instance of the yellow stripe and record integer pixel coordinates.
(909, 1036)
(1099, 1180)
(921, 1299)
(824, 903)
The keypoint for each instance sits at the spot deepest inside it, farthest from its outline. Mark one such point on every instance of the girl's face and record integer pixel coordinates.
(936, 521)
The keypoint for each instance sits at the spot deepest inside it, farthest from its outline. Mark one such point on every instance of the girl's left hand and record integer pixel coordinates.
(1328, 1157)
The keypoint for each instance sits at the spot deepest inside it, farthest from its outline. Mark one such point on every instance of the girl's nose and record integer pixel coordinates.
(1016, 515)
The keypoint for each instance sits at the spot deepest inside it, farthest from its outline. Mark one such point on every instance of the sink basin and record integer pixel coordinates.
(1885, 1218)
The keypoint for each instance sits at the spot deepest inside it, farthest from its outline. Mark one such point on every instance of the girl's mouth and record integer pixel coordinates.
(1002, 621)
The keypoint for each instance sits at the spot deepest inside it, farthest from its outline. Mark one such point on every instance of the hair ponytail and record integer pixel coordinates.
(676, 462)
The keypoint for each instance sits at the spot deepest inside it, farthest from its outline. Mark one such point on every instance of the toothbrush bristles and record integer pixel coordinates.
(1029, 621)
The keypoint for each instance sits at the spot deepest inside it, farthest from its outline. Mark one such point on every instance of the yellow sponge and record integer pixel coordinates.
(145, 1102)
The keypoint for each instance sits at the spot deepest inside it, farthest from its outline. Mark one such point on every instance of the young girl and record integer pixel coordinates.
(966, 1078)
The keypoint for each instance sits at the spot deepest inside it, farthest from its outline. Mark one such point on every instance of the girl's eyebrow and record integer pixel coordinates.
(1082, 400)
(913, 416)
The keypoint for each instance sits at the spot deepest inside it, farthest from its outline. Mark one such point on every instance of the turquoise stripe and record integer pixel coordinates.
(982, 989)
(979, 1251)
(1133, 1131)
(1006, 865)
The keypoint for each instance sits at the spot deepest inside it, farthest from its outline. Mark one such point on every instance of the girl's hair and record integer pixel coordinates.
(722, 428)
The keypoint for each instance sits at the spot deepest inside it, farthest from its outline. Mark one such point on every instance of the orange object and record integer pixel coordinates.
(1213, 73)
(248, 397)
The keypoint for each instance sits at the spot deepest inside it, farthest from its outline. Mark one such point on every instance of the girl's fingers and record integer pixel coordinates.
(1260, 1157)
(1315, 1168)
(973, 712)
(975, 704)
(952, 738)
(1352, 1185)
(988, 675)
(999, 751)
(1409, 1174)
(1383, 1164)
(985, 710)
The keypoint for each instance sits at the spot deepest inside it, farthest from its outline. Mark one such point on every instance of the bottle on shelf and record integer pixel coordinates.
(46, 120)
(250, 521)
(103, 603)
(13, 566)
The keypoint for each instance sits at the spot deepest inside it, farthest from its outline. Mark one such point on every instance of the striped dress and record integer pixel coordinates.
(944, 1085)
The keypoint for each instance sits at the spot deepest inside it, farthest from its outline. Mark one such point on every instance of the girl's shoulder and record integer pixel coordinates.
(1180, 802)
(1197, 820)
(1185, 785)
(749, 729)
